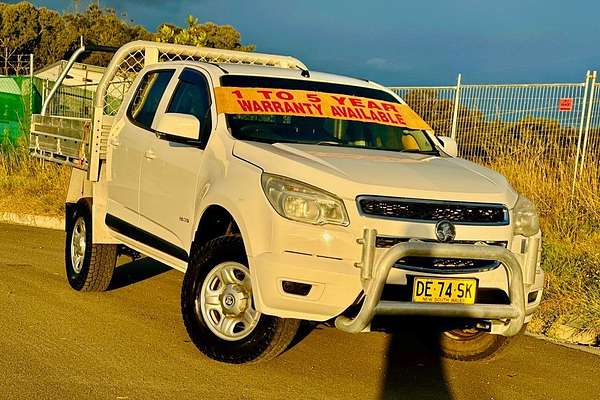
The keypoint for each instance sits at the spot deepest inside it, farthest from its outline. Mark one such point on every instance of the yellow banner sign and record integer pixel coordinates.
(237, 100)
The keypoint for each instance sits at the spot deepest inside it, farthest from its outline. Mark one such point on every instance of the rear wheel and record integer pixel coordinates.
(89, 266)
(219, 311)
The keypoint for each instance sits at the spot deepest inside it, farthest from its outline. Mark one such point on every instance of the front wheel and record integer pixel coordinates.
(89, 266)
(470, 344)
(218, 308)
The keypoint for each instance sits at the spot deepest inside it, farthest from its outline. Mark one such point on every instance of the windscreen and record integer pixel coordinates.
(294, 111)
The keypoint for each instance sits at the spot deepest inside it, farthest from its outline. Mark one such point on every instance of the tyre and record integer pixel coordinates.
(89, 266)
(218, 309)
(470, 344)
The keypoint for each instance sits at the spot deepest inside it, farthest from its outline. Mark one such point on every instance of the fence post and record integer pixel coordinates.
(588, 121)
(455, 112)
(588, 77)
(31, 89)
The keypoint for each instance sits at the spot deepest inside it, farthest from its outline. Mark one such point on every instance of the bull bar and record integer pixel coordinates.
(374, 278)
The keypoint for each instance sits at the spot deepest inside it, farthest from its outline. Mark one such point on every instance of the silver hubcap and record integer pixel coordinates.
(463, 334)
(225, 302)
(78, 245)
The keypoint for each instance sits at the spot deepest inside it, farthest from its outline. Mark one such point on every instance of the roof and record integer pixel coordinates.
(8, 85)
(289, 73)
(79, 74)
(258, 70)
(63, 63)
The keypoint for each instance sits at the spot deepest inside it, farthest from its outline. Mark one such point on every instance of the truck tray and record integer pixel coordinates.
(63, 140)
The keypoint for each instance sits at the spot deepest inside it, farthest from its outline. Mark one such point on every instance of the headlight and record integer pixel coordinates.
(304, 203)
(526, 220)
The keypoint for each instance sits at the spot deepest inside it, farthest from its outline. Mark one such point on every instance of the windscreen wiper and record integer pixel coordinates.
(328, 143)
(429, 152)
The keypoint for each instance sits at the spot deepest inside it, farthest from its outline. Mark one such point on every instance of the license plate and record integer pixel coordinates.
(446, 290)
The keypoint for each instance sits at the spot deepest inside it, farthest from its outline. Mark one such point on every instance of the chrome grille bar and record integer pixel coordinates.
(433, 210)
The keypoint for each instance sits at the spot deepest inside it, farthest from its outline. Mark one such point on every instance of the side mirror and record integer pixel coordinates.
(180, 125)
(449, 145)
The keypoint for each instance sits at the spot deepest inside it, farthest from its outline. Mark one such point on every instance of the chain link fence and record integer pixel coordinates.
(557, 122)
(15, 64)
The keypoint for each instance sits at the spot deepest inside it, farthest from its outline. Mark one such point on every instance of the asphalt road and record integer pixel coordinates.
(130, 343)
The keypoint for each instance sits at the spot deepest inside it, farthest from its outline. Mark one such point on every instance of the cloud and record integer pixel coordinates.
(383, 64)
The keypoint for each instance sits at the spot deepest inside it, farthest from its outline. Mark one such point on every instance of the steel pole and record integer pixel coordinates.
(586, 133)
(588, 75)
(456, 102)
(63, 75)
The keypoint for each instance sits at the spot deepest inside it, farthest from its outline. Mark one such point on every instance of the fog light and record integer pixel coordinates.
(531, 297)
(297, 288)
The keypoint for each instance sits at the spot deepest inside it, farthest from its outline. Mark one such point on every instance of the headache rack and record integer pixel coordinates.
(81, 142)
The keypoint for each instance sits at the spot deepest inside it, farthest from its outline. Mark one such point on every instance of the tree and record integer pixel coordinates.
(224, 37)
(192, 35)
(52, 43)
(51, 36)
(208, 34)
(437, 112)
(101, 27)
(18, 28)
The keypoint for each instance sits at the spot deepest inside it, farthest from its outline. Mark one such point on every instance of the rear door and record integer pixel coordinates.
(173, 171)
(128, 145)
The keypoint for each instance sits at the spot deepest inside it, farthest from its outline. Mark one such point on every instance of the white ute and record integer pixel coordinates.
(285, 194)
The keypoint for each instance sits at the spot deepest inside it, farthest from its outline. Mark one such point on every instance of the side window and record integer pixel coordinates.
(192, 97)
(147, 97)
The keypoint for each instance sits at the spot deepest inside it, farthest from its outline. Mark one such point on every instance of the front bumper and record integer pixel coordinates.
(374, 277)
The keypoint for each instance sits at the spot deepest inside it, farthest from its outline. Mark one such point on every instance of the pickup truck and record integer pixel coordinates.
(289, 195)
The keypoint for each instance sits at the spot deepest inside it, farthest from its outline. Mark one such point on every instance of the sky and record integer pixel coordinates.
(403, 43)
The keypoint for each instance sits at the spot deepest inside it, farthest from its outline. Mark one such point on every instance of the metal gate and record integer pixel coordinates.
(590, 146)
(556, 122)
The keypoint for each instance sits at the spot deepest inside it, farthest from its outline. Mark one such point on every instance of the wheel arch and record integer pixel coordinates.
(70, 207)
(218, 220)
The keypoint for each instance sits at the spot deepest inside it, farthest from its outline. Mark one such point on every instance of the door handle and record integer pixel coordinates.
(115, 142)
(150, 155)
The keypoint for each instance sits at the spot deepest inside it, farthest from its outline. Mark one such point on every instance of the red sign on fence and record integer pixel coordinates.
(565, 104)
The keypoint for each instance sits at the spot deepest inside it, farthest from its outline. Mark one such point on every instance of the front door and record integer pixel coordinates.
(172, 168)
(128, 144)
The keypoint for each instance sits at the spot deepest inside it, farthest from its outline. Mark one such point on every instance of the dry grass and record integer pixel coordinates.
(571, 224)
(31, 186)
(570, 219)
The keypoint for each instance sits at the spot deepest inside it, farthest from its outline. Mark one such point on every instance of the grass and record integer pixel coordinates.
(31, 186)
(570, 223)
(570, 219)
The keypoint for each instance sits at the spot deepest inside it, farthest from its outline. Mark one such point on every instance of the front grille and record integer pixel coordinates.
(389, 241)
(445, 265)
(441, 265)
(432, 210)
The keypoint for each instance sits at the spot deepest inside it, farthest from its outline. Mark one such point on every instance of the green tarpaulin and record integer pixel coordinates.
(17, 102)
